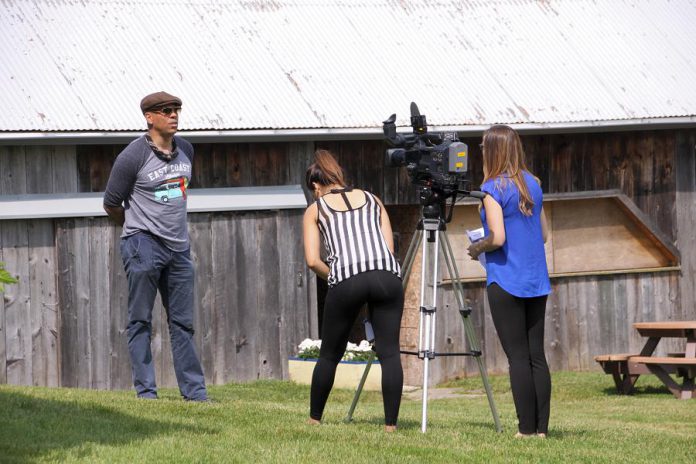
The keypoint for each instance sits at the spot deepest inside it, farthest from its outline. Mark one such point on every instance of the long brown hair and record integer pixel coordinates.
(503, 155)
(325, 170)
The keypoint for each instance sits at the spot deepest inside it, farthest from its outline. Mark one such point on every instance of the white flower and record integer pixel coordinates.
(364, 346)
(308, 343)
(311, 348)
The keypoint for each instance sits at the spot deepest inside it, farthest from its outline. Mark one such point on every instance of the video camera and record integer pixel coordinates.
(437, 162)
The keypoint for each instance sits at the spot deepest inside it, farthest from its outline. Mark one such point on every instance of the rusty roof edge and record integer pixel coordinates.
(367, 133)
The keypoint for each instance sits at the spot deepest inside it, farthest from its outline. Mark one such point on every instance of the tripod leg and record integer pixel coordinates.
(428, 318)
(468, 328)
(358, 391)
(410, 257)
(405, 273)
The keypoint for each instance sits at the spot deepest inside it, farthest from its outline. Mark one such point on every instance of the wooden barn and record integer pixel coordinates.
(606, 109)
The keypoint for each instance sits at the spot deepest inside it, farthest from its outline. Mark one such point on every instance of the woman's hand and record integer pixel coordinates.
(480, 246)
(474, 251)
(496, 229)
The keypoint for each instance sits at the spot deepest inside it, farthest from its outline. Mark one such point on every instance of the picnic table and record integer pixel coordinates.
(626, 368)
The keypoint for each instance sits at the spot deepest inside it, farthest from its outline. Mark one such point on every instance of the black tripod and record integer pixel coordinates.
(433, 226)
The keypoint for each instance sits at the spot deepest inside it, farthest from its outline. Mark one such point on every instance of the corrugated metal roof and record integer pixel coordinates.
(263, 64)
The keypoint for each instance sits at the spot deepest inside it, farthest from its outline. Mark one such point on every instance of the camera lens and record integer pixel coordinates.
(396, 157)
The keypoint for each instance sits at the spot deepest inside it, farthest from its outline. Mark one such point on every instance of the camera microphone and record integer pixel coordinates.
(417, 120)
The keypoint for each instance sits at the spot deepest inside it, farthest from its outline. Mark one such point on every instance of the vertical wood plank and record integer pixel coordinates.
(570, 326)
(686, 220)
(100, 163)
(475, 298)
(100, 246)
(295, 309)
(67, 296)
(593, 331)
(372, 167)
(202, 175)
(496, 360)
(238, 164)
(204, 298)
(39, 169)
(300, 156)
(120, 369)
(18, 323)
(606, 308)
(64, 172)
(161, 346)
(556, 338)
(83, 302)
(249, 270)
(43, 303)
(663, 192)
(577, 291)
(633, 311)
(225, 287)
(620, 314)
(413, 369)
(14, 176)
(83, 154)
(561, 161)
(3, 332)
(269, 301)
(267, 163)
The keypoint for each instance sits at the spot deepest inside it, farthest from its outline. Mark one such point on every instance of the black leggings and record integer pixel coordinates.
(384, 294)
(520, 326)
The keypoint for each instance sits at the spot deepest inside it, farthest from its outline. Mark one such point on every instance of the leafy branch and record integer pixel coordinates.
(5, 277)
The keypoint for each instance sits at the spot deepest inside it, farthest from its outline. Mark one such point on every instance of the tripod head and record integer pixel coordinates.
(434, 202)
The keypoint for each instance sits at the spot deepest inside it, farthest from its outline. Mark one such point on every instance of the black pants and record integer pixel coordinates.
(383, 292)
(520, 326)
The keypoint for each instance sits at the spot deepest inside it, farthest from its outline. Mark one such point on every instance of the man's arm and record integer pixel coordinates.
(118, 188)
(116, 213)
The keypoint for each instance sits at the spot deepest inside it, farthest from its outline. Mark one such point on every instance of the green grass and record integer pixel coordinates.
(264, 422)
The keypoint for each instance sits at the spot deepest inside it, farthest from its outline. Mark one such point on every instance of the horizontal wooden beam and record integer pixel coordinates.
(41, 206)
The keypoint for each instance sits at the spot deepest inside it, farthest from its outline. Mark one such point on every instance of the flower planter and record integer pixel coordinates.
(348, 373)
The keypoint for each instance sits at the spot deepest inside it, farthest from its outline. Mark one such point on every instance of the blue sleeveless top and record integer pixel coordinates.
(519, 266)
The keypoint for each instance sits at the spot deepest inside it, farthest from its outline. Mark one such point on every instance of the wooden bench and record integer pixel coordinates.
(618, 366)
(663, 366)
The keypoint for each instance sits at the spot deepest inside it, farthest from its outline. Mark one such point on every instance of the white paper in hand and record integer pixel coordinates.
(474, 236)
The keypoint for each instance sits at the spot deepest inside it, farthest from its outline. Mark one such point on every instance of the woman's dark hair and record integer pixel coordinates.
(325, 170)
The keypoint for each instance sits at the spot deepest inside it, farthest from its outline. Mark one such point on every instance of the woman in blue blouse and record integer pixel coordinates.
(517, 277)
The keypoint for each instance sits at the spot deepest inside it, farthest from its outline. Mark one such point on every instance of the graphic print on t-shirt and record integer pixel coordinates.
(171, 188)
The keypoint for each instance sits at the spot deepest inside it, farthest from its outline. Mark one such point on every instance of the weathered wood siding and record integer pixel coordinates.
(591, 315)
(253, 302)
(64, 323)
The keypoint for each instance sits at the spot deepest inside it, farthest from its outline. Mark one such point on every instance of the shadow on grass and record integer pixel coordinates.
(32, 427)
(408, 424)
(637, 391)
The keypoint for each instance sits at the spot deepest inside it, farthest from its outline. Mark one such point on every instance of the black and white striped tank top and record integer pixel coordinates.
(354, 240)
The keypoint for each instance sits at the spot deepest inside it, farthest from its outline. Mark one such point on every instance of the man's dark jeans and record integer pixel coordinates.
(151, 266)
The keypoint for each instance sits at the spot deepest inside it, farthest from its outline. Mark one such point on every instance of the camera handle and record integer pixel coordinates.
(436, 241)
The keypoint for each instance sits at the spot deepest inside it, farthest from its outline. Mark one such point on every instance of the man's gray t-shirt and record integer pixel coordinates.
(152, 191)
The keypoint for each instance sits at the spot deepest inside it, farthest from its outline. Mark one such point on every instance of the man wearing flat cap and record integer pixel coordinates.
(146, 194)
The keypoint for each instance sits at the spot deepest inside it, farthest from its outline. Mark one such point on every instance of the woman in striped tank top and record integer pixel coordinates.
(360, 269)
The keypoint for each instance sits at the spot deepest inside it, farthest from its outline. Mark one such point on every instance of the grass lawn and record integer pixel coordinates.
(265, 422)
